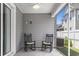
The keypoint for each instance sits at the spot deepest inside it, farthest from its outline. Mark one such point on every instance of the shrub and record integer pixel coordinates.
(70, 42)
(66, 42)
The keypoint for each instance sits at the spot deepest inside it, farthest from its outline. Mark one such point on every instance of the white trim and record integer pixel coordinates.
(13, 29)
(8, 53)
(1, 29)
(74, 26)
(60, 7)
(68, 30)
(74, 20)
(13, 23)
(8, 5)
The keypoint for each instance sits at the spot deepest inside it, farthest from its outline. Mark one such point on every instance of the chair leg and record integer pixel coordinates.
(42, 47)
(34, 47)
(31, 46)
(45, 46)
(50, 48)
(25, 48)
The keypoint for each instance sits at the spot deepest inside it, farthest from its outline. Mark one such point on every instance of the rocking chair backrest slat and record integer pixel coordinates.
(49, 38)
(28, 37)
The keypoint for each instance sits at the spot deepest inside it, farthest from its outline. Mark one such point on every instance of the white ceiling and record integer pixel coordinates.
(27, 7)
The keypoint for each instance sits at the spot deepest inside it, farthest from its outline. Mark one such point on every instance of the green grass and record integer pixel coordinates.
(73, 51)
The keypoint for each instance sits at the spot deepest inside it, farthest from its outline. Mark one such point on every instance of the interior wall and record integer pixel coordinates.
(19, 30)
(42, 24)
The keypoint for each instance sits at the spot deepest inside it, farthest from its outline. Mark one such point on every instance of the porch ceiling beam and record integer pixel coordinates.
(58, 9)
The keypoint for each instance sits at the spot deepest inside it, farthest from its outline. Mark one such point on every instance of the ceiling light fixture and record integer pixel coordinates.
(36, 6)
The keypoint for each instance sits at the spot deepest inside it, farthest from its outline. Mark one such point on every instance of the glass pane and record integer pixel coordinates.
(0, 29)
(74, 32)
(62, 30)
(6, 29)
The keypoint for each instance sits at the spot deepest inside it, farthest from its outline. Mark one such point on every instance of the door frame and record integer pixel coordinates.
(13, 28)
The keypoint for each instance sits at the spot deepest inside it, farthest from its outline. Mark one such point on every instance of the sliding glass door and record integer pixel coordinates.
(67, 21)
(6, 29)
(74, 31)
(62, 30)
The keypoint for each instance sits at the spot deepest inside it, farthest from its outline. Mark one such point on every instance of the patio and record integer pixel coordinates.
(38, 52)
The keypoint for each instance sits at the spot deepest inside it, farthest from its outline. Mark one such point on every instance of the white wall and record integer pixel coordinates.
(19, 29)
(41, 24)
(72, 34)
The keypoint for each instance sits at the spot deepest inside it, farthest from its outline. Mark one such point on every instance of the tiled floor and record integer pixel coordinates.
(38, 52)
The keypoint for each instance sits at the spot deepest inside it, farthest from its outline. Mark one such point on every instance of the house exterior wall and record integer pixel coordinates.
(77, 19)
(71, 24)
(77, 24)
(42, 24)
(65, 25)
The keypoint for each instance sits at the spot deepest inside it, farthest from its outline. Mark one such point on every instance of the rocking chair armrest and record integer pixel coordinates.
(42, 42)
(25, 41)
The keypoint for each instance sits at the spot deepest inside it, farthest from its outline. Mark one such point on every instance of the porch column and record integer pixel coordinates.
(54, 31)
